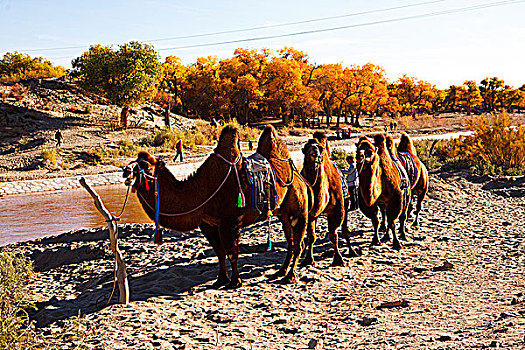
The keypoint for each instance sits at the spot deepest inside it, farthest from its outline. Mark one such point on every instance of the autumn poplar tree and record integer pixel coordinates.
(127, 77)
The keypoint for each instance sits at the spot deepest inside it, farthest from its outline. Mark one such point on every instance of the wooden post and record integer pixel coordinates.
(122, 276)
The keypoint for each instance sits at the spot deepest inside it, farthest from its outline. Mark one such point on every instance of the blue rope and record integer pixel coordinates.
(158, 238)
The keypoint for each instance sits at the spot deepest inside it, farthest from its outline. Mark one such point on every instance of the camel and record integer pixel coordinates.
(210, 199)
(380, 184)
(419, 175)
(325, 180)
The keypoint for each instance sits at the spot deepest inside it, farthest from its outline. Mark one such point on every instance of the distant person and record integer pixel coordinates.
(352, 180)
(386, 128)
(178, 147)
(395, 125)
(391, 126)
(250, 145)
(58, 138)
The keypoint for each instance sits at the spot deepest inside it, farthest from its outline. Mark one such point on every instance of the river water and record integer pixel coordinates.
(35, 215)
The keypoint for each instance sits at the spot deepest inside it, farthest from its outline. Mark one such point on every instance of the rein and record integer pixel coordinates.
(292, 168)
(232, 165)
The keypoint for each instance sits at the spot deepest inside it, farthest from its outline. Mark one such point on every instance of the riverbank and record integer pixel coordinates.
(475, 224)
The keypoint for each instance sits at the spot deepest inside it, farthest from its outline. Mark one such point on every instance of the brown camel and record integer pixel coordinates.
(417, 172)
(380, 184)
(209, 199)
(325, 180)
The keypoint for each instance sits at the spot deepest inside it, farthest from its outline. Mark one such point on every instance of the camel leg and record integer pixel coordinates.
(382, 228)
(404, 215)
(212, 235)
(230, 233)
(334, 221)
(395, 242)
(310, 239)
(375, 224)
(295, 247)
(346, 233)
(420, 197)
(287, 228)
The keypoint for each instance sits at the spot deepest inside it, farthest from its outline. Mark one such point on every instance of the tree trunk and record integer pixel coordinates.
(167, 118)
(124, 117)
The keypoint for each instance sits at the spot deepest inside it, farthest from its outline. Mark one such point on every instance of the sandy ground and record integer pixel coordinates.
(460, 274)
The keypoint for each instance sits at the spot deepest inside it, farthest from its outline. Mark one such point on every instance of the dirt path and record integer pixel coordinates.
(474, 224)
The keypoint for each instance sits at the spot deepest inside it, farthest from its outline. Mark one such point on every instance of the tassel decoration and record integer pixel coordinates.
(241, 202)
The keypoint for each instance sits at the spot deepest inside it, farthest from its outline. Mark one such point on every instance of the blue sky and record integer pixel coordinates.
(443, 49)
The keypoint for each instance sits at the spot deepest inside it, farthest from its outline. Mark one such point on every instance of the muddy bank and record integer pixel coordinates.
(473, 224)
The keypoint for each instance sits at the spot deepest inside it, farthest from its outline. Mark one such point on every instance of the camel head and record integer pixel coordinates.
(229, 142)
(366, 154)
(313, 153)
(136, 170)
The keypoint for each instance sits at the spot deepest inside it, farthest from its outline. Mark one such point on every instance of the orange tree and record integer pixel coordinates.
(414, 95)
(241, 76)
(127, 76)
(370, 91)
(469, 95)
(489, 89)
(283, 86)
(173, 74)
(324, 84)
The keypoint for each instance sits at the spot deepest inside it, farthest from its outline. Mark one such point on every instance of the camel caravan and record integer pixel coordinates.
(229, 192)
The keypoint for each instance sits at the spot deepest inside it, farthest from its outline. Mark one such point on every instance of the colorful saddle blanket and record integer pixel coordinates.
(405, 181)
(410, 166)
(264, 191)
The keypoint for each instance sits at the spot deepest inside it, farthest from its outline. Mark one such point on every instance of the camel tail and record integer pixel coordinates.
(406, 144)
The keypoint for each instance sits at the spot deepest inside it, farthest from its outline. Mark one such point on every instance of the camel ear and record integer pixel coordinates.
(159, 165)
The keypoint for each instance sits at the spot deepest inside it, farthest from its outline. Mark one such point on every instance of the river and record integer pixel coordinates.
(30, 216)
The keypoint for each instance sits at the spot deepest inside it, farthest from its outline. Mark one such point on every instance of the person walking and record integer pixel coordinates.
(58, 138)
(178, 147)
(352, 180)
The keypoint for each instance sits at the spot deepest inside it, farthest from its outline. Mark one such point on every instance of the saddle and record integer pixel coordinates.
(262, 179)
(410, 166)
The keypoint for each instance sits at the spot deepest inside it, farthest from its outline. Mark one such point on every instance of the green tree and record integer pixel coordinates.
(15, 66)
(127, 77)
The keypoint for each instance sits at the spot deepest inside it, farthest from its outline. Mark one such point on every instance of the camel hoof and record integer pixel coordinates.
(288, 279)
(338, 262)
(386, 238)
(307, 262)
(234, 284)
(221, 281)
(396, 245)
(352, 253)
(375, 243)
(382, 228)
(276, 275)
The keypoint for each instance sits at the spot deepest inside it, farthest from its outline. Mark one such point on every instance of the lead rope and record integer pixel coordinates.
(241, 200)
(158, 236)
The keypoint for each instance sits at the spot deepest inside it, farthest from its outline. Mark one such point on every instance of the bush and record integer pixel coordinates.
(50, 155)
(339, 157)
(496, 147)
(16, 331)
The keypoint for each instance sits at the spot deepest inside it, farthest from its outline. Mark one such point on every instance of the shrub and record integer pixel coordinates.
(339, 157)
(16, 331)
(496, 147)
(50, 155)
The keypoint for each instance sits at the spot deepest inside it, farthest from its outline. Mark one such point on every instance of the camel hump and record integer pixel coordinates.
(143, 155)
(380, 142)
(406, 144)
(320, 137)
